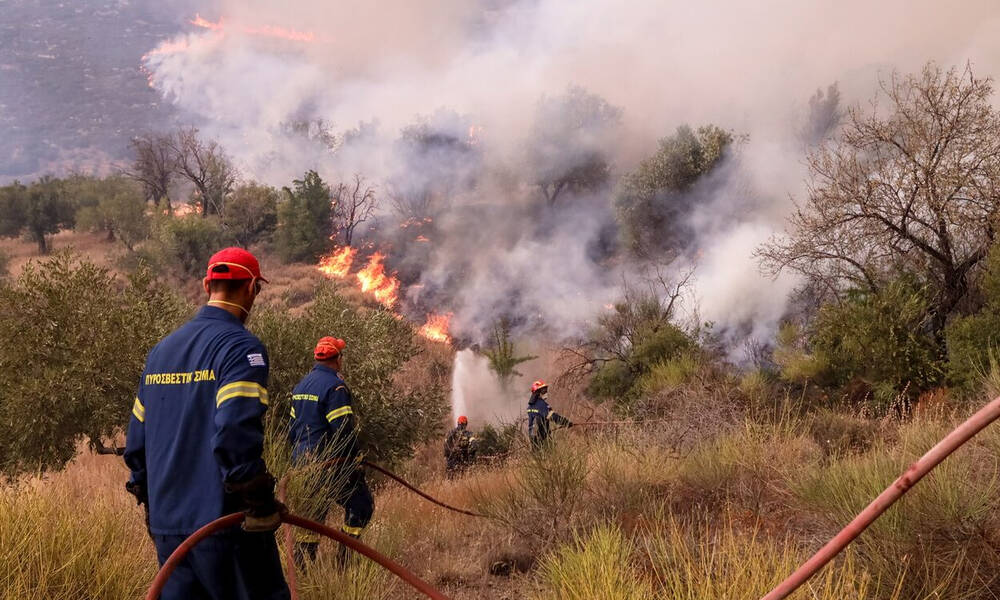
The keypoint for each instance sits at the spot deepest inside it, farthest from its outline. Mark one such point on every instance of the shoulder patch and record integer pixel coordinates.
(256, 360)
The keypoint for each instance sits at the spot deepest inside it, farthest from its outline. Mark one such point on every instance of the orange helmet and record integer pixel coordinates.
(463, 420)
(328, 347)
(538, 385)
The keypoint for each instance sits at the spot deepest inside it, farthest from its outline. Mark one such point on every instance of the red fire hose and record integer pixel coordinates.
(908, 479)
(236, 518)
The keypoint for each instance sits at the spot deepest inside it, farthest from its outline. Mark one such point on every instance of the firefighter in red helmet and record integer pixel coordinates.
(541, 416)
(459, 448)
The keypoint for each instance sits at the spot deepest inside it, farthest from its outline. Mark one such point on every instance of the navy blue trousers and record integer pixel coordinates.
(235, 565)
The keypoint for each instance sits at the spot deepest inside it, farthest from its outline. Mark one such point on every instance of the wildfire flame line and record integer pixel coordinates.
(263, 30)
(384, 288)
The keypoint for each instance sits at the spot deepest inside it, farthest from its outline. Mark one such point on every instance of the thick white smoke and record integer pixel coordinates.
(746, 66)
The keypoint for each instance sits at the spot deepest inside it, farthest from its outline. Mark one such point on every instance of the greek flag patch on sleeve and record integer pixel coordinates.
(256, 360)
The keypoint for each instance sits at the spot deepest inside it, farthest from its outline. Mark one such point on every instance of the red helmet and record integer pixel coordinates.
(328, 347)
(538, 385)
(463, 420)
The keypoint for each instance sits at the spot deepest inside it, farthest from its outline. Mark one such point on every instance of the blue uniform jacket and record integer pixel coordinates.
(322, 417)
(539, 417)
(197, 421)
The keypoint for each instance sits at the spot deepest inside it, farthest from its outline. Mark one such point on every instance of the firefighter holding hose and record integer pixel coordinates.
(196, 438)
(541, 416)
(323, 428)
(459, 448)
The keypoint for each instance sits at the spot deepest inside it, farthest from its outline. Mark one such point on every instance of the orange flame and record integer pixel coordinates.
(337, 264)
(199, 21)
(263, 30)
(373, 279)
(422, 238)
(436, 328)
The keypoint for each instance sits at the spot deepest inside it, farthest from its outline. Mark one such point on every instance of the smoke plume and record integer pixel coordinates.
(474, 74)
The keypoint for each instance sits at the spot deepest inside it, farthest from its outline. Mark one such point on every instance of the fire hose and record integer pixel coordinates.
(916, 471)
(236, 518)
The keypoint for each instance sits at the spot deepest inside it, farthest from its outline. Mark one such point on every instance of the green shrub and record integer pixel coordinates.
(250, 214)
(113, 205)
(796, 364)
(497, 441)
(182, 245)
(629, 341)
(882, 339)
(75, 340)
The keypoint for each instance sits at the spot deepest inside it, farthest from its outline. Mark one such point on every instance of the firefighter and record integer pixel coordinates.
(459, 448)
(540, 415)
(323, 428)
(195, 442)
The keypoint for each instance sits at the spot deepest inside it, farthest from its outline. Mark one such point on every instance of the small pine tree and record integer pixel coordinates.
(305, 221)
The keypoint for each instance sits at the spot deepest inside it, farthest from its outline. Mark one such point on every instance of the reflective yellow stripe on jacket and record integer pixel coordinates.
(340, 412)
(139, 410)
(241, 389)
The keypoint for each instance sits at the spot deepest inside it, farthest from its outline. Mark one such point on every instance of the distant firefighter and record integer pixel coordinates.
(195, 444)
(541, 416)
(323, 427)
(459, 448)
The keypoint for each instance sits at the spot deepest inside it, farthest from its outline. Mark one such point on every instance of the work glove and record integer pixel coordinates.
(141, 497)
(263, 511)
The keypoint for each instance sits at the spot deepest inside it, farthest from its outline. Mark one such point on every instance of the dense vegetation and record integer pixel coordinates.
(740, 470)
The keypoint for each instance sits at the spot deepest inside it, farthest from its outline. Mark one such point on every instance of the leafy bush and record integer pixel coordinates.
(114, 205)
(974, 340)
(496, 441)
(184, 244)
(394, 417)
(882, 341)
(75, 340)
(629, 341)
(250, 214)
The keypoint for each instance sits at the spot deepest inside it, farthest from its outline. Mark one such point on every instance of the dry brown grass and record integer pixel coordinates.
(94, 246)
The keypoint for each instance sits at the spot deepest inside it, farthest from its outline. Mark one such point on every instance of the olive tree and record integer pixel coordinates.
(75, 340)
